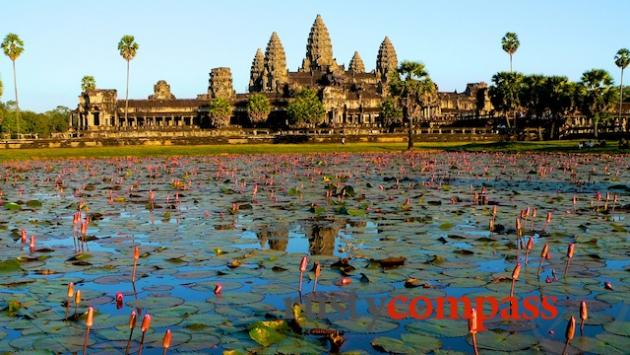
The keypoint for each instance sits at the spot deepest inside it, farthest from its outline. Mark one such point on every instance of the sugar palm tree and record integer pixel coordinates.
(88, 83)
(413, 88)
(13, 46)
(510, 44)
(598, 95)
(128, 49)
(622, 59)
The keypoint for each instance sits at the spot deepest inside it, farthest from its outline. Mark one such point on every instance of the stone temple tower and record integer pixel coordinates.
(257, 71)
(275, 66)
(319, 53)
(356, 64)
(386, 63)
(220, 83)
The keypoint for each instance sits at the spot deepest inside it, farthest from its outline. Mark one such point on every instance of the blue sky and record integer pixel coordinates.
(181, 40)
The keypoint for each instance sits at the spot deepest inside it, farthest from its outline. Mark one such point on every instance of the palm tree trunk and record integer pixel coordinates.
(621, 100)
(510, 62)
(17, 103)
(507, 120)
(127, 95)
(410, 135)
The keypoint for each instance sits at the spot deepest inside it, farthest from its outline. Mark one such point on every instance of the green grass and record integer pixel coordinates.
(146, 151)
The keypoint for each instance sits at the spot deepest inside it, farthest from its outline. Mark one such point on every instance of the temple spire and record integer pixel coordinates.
(275, 66)
(257, 71)
(356, 64)
(386, 60)
(319, 54)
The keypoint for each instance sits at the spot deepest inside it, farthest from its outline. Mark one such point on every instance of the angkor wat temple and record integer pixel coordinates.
(351, 96)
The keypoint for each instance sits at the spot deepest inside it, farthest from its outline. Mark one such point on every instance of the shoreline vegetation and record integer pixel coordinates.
(565, 146)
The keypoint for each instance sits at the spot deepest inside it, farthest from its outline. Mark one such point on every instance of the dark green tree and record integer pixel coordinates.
(598, 94)
(561, 99)
(220, 112)
(258, 108)
(505, 94)
(413, 90)
(391, 115)
(306, 109)
(532, 95)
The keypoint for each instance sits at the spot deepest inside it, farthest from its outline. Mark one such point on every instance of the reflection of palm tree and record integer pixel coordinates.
(321, 240)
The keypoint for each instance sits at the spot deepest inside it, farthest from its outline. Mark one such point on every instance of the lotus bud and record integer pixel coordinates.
(530, 243)
(549, 217)
(132, 319)
(77, 297)
(166, 341)
(570, 333)
(303, 264)
(318, 269)
(608, 285)
(545, 251)
(89, 320)
(516, 272)
(23, 235)
(217, 289)
(136, 253)
(70, 290)
(344, 281)
(32, 244)
(119, 300)
(494, 211)
(571, 250)
(146, 323)
(472, 322)
(583, 311)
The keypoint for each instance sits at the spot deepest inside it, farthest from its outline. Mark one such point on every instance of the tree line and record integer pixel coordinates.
(514, 95)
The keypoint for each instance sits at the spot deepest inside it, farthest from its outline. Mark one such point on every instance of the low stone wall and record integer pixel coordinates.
(237, 139)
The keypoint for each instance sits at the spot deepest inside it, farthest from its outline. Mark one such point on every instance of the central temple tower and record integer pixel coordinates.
(319, 53)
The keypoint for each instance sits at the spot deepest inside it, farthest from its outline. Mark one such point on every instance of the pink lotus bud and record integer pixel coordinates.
(166, 341)
(146, 323)
(516, 272)
(217, 289)
(89, 320)
(571, 250)
(119, 300)
(132, 319)
(303, 264)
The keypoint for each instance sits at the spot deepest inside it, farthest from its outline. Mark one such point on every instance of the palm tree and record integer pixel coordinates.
(560, 96)
(88, 83)
(510, 44)
(505, 94)
(597, 94)
(622, 59)
(414, 91)
(127, 48)
(13, 46)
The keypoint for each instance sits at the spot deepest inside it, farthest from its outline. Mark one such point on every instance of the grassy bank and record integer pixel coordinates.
(142, 151)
